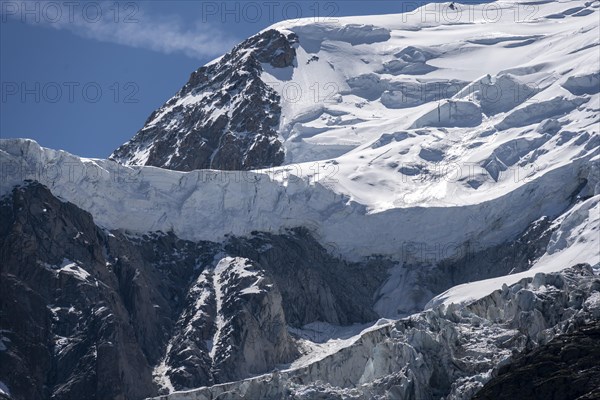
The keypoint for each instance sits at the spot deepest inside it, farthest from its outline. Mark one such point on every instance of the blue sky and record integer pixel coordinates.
(83, 76)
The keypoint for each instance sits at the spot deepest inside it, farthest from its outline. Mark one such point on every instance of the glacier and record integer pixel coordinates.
(421, 139)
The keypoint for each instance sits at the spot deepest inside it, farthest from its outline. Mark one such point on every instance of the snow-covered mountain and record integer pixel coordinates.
(437, 170)
(225, 117)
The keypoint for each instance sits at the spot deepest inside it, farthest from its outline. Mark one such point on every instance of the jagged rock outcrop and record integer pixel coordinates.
(565, 368)
(88, 313)
(225, 117)
(233, 326)
(275, 281)
(69, 332)
(252, 333)
(299, 264)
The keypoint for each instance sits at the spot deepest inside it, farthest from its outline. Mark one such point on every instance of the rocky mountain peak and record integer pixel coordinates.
(225, 117)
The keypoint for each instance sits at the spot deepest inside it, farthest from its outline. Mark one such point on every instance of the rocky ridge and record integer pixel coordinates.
(224, 117)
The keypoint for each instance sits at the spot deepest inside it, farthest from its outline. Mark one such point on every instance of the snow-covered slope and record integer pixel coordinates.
(421, 138)
(441, 106)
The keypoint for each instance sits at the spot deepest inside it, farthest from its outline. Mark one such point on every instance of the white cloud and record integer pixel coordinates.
(130, 27)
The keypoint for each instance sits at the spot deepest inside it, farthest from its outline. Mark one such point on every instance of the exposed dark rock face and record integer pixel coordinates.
(299, 264)
(225, 117)
(233, 326)
(254, 324)
(87, 313)
(567, 367)
(70, 333)
(273, 281)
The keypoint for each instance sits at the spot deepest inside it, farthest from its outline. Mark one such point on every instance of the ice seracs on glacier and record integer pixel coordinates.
(445, 141)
